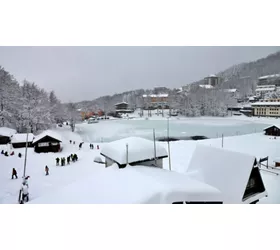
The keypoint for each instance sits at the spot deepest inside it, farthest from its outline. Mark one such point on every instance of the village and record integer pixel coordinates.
(236, 169)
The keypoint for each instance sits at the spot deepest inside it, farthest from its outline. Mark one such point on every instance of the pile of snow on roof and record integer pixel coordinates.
(47, 133)
(139, 149)
(7, 131)
(18, 138)
(132, 185)
(226, 170)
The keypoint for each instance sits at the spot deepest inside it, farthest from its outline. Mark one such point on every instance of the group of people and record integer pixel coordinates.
(62, 160)
(11, 154)
(91, 146)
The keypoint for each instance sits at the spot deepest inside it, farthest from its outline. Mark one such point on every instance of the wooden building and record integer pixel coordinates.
(5, 135)
(19, 140)
(123, 108)
(272, 130)
(47, 142)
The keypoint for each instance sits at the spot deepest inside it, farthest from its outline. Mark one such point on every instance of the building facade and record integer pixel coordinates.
(156, 101)
(212, 80)
(269, 108)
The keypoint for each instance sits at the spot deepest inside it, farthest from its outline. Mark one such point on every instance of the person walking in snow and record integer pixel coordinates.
(97, 147)
(12, 153)
(80, 145)
(6, 153)
(25, 193)
(74, 142)
(47, 170)
(70, 141)
(19, 155)
(14, 173)
(68, 160)
(57, 161)
(2, 152)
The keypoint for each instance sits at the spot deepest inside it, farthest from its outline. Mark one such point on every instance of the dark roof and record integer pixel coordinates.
(271, 127)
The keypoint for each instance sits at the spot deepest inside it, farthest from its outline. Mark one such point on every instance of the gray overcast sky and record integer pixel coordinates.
(85, 73)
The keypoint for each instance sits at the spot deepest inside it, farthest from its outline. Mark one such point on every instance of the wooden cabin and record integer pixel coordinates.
(5, 135)
(19, 140)
(272, 130)
(47, 142)
(133, 151)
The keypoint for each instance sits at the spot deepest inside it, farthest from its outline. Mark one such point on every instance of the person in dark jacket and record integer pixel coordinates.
(14, 173)
(6, 153)
(19, 155)
(68, 160)
(12, 153)
(76, 157)
(70, 141)
(47, 170)
(57, 161)
(2, 152)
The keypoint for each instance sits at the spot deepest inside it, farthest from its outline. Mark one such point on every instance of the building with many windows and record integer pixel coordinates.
(270, 107)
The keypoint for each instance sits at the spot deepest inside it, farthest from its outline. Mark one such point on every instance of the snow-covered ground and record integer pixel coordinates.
(255, 144)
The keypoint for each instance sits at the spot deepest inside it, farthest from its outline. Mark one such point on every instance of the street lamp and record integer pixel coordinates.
(168, 143)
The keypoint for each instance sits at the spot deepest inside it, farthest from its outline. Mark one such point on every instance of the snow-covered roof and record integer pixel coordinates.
(49, 133)
(132, 185)
(265, 89)
(230, 90)
(206, 86)
(212, 75)
(121, 103)
(156, 95)
(269, 76)
(266, 104)
(18, 138)
(139, 149)
(226, 170)
(7, 131)
(271, 126)
(251, 98)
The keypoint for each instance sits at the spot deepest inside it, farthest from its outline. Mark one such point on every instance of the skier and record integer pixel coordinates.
(70, 141)
(19, 155)
(57, 161)
(47, 170)
(25, 194)
(14, 173)
(80, 145)
(68, 160)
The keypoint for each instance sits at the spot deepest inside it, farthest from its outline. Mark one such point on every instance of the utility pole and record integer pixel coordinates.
(168, 143)
(155, 150)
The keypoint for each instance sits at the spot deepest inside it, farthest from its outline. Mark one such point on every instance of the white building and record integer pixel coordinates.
(261, 90)
(133, 151)
(235, 174)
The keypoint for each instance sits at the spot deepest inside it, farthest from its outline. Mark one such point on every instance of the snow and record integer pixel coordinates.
(139, 149)
(18, 138)
(269, 76)
(156, 95)
(226, 170)
(230, 90)
(206, 86)
(121, 103)
(266, 103)
(135, 184)
(47, 133)
(7, 131)
(265, 89)
(256, 144)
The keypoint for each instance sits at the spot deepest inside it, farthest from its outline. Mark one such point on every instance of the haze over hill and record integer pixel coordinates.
(86, 73)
